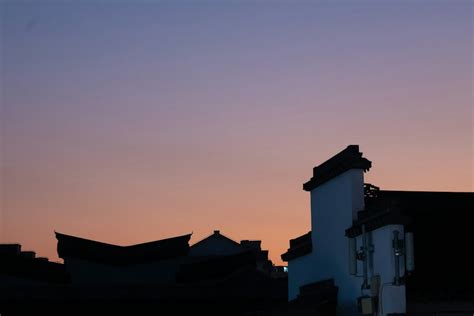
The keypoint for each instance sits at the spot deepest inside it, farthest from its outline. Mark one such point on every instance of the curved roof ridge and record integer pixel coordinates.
(61, 235)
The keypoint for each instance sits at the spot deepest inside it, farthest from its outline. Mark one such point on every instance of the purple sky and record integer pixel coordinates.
(139, 120)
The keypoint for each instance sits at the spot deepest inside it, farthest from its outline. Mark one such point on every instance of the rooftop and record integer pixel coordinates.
(349, 158)
(91, 250)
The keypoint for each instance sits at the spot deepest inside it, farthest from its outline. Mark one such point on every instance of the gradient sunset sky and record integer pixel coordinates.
(132, 121)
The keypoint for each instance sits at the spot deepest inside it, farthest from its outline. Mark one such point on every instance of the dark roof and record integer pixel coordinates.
(215, 267)
(320, 294)
(299, 247)
(90, 250)
(349, 158)
(433, 200)
(10, 249)
(24, 265)
(386, 207)
(217, 234)
(375, 221)
(251, 244)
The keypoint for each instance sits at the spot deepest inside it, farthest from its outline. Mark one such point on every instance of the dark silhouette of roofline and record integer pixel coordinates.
(216, 233)
(411, 192)
(299, 247)
(148, 243)
(96, 251)
(396, 207)
(349, 158)
(29, 268)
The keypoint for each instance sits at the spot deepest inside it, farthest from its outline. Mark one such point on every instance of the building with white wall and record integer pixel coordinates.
(365, 240)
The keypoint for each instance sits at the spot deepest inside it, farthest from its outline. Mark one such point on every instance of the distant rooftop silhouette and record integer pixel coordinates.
(91, 250)
(24, 267)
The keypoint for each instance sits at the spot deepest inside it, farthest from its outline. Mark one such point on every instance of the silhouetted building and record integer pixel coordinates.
(89, 261)
(364, 243)
(217, 245)
(22, 268)
(215, 276)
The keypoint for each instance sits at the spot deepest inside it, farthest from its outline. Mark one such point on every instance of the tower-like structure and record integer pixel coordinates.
(358, 254)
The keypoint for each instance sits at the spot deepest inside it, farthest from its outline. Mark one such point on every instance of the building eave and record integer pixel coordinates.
(299, 247)
(349, 158)
(95, 251)
(376, 221)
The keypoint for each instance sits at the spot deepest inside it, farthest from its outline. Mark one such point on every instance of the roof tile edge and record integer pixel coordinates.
(349, 158)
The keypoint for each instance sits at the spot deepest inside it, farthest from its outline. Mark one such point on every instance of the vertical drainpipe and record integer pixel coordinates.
(365, 240)
(397, 252)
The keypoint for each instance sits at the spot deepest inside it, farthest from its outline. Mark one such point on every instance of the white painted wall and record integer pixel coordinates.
(333, 206)
(300, 272)
(382, 263)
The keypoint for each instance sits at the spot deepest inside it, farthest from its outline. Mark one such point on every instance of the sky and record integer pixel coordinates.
(133, 121)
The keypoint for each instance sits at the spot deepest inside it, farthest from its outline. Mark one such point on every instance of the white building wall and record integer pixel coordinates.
(333, 205)
(383, 256)
(382, 263)
(300, 272)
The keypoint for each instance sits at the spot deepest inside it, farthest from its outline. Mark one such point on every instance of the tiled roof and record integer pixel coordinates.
(217, 235)
(401, 207)
(349, 158)
(91, 250)
(299, 247)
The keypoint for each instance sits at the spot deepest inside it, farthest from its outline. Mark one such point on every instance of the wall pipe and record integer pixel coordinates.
(365, 250)
(397, 252)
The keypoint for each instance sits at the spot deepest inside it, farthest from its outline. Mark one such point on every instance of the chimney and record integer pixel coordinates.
(217, 232)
